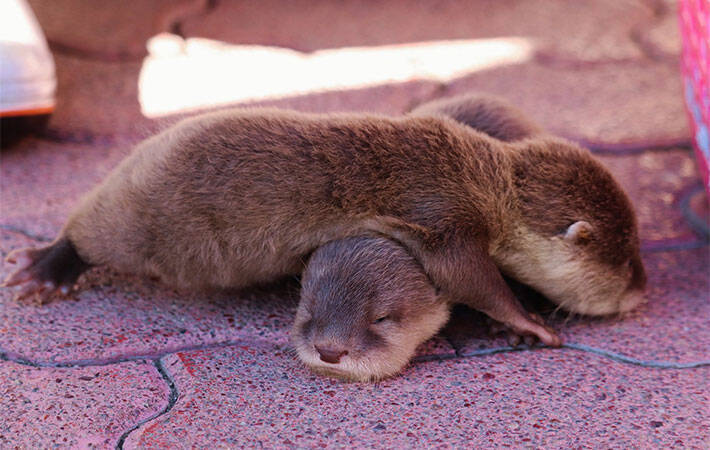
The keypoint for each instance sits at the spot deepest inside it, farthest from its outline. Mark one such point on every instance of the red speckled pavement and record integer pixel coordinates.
(130, 364)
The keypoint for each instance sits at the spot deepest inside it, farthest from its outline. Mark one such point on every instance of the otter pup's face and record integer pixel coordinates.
(577, 241)
(566, 271)
(365, 306)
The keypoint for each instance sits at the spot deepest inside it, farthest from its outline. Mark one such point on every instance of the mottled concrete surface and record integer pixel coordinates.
(80, 407)
(558, 399)
(128, 362)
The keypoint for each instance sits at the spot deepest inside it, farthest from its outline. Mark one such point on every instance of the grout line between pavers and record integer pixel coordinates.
(19, 359)
(165, 375)
(672, 245)
(571, 346)
(633, 148)
(27, 234)
(10, 357)
(172, 400)
(694, 221)
(638, 362)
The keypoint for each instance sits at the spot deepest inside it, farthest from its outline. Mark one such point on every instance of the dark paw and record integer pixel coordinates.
(44, 272)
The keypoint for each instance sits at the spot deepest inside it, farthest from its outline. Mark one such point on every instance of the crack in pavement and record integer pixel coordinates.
(557, 60)
(74, 51)
(172, 400)
(172, 396)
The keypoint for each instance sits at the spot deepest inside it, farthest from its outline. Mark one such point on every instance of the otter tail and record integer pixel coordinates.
(491, 115)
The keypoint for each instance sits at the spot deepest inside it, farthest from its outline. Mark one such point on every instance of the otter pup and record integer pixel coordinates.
(237, 197)
(366, 304)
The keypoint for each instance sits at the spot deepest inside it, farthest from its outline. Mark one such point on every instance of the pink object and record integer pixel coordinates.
(695, 65)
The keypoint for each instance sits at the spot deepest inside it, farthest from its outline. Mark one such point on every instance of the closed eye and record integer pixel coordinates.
(381, 319)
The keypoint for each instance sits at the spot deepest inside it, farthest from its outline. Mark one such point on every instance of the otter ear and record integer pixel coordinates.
(579, 232)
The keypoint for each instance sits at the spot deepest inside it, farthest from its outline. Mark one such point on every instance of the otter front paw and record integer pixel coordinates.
(44, 272)
(528, 336)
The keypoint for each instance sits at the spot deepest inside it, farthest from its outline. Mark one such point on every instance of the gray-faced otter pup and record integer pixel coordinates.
(237, 197)
(366, 304)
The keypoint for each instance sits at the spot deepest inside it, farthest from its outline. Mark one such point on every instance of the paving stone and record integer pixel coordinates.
(608, 104)
(559, 28)
(671, 327)
(87, 407)
(41, 181)
(258, 396)
(99, 29)
(657, 183)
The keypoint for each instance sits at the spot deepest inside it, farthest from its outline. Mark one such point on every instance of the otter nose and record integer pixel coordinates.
(330, 355)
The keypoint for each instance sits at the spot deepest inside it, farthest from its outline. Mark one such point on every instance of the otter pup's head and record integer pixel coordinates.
(365, 306)
(578, 241)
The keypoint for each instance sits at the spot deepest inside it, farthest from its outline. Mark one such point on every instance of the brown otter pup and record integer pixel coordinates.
(237, 197)
(366, 304)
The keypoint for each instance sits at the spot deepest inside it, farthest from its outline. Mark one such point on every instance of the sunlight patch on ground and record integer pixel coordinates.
(186, 74)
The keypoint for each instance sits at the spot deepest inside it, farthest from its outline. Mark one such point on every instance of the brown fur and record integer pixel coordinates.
(238, 197)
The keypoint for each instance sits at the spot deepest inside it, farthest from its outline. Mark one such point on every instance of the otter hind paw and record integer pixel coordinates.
(42, 273)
